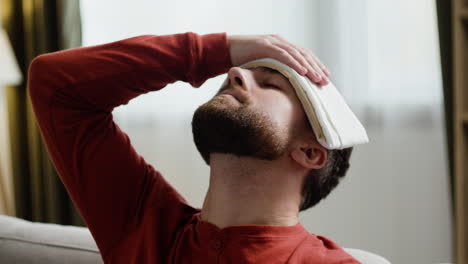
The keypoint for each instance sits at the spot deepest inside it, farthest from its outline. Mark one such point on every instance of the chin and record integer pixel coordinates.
(223, 125)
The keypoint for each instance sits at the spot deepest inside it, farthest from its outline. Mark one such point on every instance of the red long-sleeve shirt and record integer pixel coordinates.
(133, 213)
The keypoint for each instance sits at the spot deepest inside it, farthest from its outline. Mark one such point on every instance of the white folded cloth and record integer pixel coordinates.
(333, 122)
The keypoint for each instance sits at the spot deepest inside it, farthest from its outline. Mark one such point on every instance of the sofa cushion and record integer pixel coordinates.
(26, 242)
(366, 257)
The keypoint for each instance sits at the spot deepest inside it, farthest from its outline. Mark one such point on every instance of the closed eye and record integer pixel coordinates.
(271, 85)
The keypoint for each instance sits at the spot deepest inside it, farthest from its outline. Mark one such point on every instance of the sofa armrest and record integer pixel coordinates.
(27, 242)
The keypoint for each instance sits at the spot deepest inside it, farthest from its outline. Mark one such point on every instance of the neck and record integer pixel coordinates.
(248, 191)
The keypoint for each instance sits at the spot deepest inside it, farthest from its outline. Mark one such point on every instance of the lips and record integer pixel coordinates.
(236, 94)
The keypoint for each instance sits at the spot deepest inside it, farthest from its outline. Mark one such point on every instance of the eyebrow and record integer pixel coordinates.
(273, 72)
(269, 70)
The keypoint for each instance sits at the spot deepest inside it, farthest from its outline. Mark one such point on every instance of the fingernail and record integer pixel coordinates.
(318, 76)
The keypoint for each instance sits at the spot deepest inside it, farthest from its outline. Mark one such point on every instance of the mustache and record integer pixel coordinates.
(225, 87)
(239, 93)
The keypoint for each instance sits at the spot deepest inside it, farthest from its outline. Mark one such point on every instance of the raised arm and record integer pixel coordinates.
(73, 94)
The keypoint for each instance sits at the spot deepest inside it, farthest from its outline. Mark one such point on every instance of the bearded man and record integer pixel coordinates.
(266, 164)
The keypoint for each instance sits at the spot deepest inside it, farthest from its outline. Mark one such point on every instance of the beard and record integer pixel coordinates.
(221, 126)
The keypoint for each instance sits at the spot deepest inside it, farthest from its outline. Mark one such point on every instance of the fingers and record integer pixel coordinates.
(312, 68)
(318, 66)
(285, 57)
(324, 69)
(295, 55)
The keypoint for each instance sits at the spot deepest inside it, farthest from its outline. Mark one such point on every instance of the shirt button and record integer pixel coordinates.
(218, 244)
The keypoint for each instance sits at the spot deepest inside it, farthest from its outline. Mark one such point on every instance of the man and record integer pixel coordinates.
(265, 162)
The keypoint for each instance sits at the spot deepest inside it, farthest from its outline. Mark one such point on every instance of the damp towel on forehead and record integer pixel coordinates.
(333, 122)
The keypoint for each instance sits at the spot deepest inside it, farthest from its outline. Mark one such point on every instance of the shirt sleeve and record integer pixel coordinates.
(73, 93)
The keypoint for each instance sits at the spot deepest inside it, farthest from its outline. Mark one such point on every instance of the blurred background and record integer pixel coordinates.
(395, 62)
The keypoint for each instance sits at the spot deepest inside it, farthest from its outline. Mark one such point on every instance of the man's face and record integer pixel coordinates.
(256, 113)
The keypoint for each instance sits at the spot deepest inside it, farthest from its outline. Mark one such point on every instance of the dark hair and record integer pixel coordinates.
(319, 183)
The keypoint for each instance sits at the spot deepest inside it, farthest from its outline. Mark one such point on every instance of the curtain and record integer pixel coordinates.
(445, 16)
(7, 205)
(444, 19)
(36, 27)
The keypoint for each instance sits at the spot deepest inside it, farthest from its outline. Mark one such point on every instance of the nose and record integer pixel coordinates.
(239, 77)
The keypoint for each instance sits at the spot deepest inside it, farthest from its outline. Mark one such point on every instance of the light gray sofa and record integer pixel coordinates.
(27, 242)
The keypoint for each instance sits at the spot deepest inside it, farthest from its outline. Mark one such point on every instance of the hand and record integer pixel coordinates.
(244, 48)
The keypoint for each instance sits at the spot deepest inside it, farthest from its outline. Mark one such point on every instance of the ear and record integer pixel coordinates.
(310, 156)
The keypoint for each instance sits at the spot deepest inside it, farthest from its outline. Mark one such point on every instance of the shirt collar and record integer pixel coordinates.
(209, 230)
